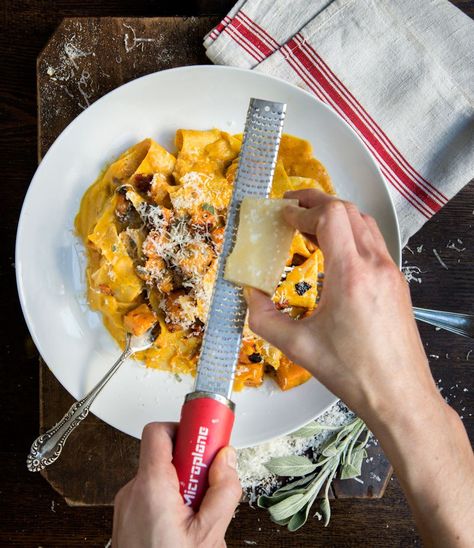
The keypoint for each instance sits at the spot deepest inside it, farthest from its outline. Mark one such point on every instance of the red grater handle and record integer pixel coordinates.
(204, 429)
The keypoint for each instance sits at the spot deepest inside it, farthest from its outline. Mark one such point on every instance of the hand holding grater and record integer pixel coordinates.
(207, 415)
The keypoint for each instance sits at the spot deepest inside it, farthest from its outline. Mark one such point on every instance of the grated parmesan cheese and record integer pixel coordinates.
(452, 245)
(175, 245)
(440, 260)
(412, 273)
(135, 41)
(191, 191)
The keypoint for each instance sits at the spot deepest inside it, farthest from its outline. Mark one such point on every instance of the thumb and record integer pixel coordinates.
(272, 325)
(223, 494)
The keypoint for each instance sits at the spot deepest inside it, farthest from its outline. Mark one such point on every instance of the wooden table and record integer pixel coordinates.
(32, 514)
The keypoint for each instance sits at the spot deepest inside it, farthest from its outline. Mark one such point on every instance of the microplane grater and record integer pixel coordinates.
(225, 320)
(207, 414)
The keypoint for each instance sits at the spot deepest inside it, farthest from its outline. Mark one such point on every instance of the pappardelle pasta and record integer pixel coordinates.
(153, 225)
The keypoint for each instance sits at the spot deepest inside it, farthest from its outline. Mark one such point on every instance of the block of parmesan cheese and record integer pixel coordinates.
(262, 245)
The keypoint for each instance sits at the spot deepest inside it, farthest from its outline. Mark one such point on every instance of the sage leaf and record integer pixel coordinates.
(293, 484)
(208, 207)
(341, 434)
(358, 456)
(294, 465)
(325, 508)
(330, 449)
(299, 519)
(311, 429)
(353, 468)
(348, 472)
(288, 507)
(266, 501)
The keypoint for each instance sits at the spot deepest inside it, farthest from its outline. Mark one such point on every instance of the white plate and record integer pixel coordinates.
(50, 262)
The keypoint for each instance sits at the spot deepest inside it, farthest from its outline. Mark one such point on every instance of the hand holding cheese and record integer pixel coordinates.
(363, 344)
(262, 246)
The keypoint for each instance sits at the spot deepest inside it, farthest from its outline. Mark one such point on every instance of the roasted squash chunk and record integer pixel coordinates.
(139, 320)
(250, 374)
(250, 368)
(289, 375)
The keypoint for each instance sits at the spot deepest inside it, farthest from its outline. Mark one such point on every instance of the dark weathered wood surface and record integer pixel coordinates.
(86, 58)
(109, 52)
(82, 47)
(31, 513)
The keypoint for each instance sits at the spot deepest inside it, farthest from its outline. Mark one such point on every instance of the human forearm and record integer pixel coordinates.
(428, 446)
(363, 344)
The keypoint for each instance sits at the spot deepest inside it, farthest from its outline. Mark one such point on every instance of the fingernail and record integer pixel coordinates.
(231, 457)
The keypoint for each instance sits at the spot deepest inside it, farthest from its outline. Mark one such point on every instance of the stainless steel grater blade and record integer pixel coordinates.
(226, 316)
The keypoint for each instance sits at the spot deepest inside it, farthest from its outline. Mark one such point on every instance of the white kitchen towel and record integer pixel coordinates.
(399, 72)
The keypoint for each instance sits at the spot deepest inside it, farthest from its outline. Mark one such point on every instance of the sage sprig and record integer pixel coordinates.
(343, 452)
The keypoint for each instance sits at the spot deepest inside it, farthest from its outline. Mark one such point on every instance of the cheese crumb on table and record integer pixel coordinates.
(262, 246)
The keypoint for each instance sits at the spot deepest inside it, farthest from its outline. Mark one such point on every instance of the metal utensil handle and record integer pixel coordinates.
(461, 324)
(48, 446)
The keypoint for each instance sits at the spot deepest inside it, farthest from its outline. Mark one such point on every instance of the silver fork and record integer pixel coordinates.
(47, 447)
(461, 324)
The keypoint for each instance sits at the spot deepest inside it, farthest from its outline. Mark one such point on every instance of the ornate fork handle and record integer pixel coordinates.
(461, 324)
(47, 447)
